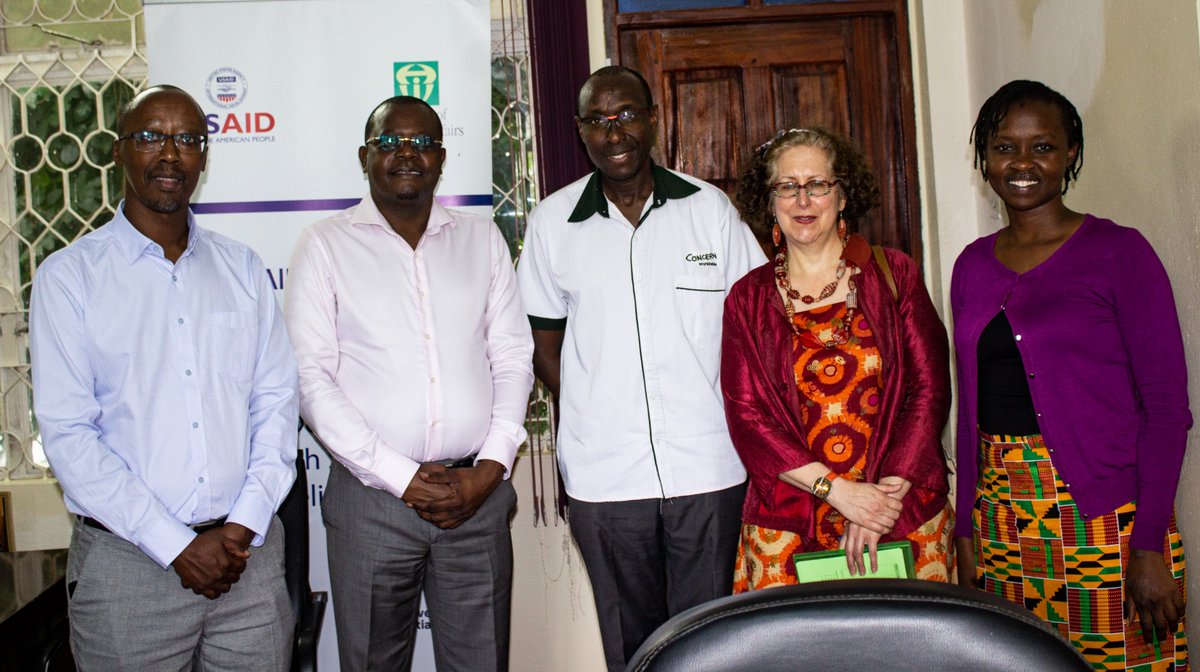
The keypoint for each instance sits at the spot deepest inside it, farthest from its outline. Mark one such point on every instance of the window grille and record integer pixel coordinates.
(67, 67)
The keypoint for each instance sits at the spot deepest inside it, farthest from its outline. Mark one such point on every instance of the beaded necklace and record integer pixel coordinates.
(841, 335)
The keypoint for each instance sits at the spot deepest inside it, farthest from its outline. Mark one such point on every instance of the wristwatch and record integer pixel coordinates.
(822, 486)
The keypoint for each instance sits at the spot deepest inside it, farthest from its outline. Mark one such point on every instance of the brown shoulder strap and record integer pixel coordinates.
(887, 271)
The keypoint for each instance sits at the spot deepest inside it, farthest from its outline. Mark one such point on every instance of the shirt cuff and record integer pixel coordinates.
(548, 323)
(501, 445)
(1150, 524)
(392, 472)
(165, 539)
(255, 518)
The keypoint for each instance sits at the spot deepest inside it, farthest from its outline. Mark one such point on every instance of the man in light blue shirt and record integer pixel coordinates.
(165, 391)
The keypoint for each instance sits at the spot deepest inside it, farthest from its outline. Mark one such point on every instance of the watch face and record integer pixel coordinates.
(821, 487)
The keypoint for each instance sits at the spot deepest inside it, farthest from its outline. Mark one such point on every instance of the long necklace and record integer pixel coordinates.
(841, 334)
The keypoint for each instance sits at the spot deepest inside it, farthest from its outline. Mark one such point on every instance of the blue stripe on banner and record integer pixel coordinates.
(240, 207)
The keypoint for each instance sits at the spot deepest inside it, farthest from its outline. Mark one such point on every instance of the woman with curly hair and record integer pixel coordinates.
(835, 374)
(1073, 401)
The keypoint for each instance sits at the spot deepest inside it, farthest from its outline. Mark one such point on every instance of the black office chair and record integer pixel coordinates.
(308, 607)
(865, 624)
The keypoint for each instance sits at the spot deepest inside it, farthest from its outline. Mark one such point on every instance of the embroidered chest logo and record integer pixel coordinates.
(702, 258)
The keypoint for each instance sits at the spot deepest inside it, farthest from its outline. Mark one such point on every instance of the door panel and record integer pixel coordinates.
(707, 109)
(810, 94)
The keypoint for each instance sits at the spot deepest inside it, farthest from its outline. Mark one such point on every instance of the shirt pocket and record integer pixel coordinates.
(233, 335)
(699, 301)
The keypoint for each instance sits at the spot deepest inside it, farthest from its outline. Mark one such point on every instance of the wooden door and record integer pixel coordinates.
(726, 79)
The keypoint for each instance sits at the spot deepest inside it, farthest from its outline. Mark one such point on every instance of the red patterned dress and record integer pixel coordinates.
(839, 392)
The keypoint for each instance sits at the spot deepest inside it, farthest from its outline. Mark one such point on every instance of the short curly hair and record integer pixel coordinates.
(856, 181)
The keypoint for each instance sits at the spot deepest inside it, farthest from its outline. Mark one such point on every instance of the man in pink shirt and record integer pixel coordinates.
(415, 371)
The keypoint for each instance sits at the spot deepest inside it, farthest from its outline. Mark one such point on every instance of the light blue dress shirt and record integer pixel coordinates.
(165, 393)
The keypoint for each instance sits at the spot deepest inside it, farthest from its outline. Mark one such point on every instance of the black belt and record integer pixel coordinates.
(456, 463)
(199, 528)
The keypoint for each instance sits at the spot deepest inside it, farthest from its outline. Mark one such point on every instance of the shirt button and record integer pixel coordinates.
(1018, 337)
(181, 320)
(201, 479)
(195, 425)
(188, 372)
(427, 336)
(1031, 375)
(433, 424)
(433, 380)
(174, 278)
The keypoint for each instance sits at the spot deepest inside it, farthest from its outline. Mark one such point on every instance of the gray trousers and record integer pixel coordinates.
(127, 613)
(382, 555)
(649, 559)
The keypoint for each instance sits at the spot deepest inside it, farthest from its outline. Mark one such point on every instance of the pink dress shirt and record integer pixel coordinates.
(409, 355)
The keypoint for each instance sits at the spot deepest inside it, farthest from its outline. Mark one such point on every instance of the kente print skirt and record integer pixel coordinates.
(1034, 548)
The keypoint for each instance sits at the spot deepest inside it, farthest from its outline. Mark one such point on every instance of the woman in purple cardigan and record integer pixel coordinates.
(1073, 409)
(835, 372)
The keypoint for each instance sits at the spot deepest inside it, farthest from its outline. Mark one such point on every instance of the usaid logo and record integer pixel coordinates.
(226, 88)
(418, 79)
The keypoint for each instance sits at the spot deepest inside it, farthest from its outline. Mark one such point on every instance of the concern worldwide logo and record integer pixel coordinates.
(418, 79)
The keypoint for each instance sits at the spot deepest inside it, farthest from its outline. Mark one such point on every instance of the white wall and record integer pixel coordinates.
(554, 623)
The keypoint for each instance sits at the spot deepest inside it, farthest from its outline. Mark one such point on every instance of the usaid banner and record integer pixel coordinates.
(286, 87)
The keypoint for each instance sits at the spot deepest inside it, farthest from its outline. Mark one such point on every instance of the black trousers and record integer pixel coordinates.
(649, 559)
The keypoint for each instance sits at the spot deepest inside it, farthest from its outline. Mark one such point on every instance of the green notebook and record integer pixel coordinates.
(895, 562)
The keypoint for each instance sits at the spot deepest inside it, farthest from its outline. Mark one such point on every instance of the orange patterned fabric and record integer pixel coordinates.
(764, 556)
(837, 373)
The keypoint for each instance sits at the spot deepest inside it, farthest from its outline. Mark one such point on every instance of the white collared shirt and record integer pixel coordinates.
(641, 406)
(409, 355)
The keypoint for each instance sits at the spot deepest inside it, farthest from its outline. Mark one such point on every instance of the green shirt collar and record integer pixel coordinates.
(666, 185)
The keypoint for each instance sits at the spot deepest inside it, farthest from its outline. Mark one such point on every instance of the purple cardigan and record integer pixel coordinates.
(1098, 334)
(762, 403)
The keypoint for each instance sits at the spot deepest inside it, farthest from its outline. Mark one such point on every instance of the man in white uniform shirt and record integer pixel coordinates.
(624, 275)
(415, 373)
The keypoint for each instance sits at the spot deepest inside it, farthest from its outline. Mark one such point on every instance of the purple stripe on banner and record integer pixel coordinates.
(234, 208)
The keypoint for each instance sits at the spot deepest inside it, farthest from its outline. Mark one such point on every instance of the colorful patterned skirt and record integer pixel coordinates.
(764, 556)
(1034, 548)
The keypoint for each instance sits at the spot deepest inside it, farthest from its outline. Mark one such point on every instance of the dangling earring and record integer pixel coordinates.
(841, 227)
(776, 234)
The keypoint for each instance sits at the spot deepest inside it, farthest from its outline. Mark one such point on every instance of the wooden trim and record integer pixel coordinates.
(610, 32)
(733, 15)
(558, 55)
(908, 136)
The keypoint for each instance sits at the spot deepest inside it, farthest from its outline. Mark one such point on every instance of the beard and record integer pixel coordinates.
(164, 204)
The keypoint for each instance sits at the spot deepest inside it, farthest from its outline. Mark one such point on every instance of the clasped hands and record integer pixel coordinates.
(214, 560)
(871, 511)
(449, 497)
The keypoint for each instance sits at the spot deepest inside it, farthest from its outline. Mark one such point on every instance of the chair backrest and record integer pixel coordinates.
(293, 513)
(867, 624)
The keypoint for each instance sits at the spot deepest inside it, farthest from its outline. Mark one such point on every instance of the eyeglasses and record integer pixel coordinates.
(393, 143)
(622, 119)
(153, 141)
(813, 188)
